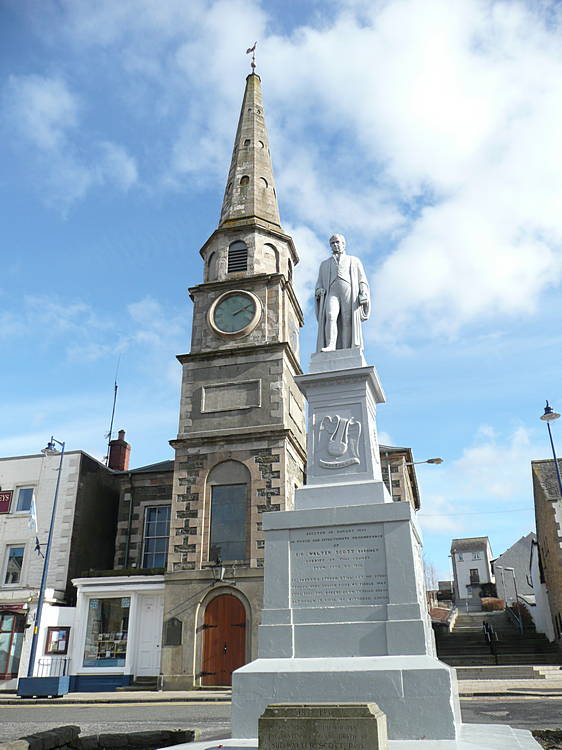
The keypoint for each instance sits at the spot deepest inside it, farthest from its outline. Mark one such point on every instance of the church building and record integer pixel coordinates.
(240, 449)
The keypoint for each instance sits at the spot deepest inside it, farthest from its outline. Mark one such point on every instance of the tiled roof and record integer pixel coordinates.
(161, 466)
(471, 544)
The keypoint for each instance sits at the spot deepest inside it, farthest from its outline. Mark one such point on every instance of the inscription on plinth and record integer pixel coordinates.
(322, 726)
(334, 566)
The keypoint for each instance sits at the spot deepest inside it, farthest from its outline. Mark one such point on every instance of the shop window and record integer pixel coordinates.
(106, 632)
(12, 627)
(229, 510)
(25, 497)
(14, 564)
(156, 536)
(57, 641)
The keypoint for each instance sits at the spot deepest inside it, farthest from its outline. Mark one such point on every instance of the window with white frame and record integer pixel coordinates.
(156, 536)
(24, 499)
(476, 556)
(14, 563)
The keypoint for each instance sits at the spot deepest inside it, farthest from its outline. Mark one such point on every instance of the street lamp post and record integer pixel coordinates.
(549, 416)
(50, 450)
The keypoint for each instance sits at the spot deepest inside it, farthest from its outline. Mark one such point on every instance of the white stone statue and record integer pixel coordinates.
(342, 299)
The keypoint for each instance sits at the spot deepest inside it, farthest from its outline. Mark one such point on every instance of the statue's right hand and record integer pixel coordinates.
(320, 292)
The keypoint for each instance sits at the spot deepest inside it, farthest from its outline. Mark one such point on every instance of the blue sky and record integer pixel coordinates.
(428, 133)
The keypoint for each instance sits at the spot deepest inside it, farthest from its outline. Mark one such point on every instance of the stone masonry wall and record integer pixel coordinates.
(548, 516)
(142, 490)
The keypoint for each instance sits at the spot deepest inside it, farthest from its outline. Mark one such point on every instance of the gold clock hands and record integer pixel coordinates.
(246, 307)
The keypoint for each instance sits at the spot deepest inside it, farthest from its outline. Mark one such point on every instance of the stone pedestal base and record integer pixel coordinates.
(470, 737)
(417, 693)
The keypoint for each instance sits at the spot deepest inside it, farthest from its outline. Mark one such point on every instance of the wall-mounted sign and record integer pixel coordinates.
(6, 501)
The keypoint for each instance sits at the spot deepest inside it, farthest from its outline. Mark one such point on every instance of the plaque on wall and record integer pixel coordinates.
(231, 396)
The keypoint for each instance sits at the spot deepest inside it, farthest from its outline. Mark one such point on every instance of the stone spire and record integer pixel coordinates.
(250, 190)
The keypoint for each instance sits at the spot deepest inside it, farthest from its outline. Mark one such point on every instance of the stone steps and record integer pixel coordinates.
(510, 672)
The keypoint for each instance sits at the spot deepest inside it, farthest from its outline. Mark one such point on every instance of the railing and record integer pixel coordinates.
(52, 666)
(491, 638)
(516, 617)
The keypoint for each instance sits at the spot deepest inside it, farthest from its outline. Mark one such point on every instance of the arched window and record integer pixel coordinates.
(229, 484)
(212, 267)
(244, 180)
(237, 257)
(271, 257)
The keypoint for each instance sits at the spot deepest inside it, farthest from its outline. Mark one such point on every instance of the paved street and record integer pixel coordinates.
(213, 719)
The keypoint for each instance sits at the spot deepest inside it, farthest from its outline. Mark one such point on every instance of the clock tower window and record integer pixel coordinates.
(229, 482)
(237, 257)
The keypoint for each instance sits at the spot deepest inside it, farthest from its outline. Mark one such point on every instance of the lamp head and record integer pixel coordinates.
(434, 461)
(549, 414)
(50, 449)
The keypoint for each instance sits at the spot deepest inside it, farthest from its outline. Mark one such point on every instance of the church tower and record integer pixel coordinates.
(240, 449)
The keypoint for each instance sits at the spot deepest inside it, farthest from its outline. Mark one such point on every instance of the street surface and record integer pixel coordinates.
(213, 719)
(94, 718)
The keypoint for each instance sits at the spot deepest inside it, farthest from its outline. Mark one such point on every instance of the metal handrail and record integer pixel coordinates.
(517, 617)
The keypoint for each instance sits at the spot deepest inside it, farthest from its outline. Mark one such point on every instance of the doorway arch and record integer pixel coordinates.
(224, 640)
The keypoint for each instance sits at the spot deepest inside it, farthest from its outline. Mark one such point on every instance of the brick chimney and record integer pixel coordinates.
(119, 452)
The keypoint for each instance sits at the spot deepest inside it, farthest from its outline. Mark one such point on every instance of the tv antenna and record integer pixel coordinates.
(115, 389)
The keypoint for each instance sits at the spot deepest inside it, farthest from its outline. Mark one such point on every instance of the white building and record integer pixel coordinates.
(472, 567)
(83, 538)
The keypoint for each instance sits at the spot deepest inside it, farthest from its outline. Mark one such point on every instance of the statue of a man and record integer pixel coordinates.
(342, 299)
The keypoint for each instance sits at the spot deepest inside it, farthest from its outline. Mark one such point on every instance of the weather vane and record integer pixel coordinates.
(253, 51)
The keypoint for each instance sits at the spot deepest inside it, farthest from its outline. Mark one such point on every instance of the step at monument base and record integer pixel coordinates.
(470, 737)
(418, 694)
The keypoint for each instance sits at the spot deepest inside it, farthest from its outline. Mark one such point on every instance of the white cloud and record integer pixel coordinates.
(43, 112)
(429, 131)
(44, 109)
(117, 166)
(491, 474)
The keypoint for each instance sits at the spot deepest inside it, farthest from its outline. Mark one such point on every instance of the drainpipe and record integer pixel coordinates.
(129, 520)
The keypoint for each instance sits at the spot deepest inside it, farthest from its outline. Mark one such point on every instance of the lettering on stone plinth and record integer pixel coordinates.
(335, 566)
(338, 442)
(322, 726)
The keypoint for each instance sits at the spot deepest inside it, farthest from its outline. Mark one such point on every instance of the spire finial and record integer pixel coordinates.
(252, 50)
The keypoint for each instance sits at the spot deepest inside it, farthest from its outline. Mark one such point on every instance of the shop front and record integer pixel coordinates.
(119, 631)
(13, 619)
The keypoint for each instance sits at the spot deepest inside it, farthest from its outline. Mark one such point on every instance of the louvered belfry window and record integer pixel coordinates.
(237, 257)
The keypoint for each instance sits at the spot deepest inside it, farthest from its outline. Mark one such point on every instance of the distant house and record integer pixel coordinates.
(398, 473)
(548, 517)
(512, 570)
(472, 568)
(520, 577)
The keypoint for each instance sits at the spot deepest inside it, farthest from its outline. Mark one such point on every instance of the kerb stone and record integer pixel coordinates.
(322, 726)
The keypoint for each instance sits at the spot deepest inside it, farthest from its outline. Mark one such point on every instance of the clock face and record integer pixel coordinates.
(234, 312)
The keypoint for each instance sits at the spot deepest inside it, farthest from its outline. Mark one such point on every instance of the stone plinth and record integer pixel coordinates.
(345, 616)
(342, 444)
(344, 582)
(323, 726)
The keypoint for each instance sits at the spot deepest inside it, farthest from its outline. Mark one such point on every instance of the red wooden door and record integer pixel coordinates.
(224, 640)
